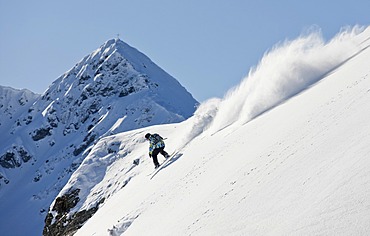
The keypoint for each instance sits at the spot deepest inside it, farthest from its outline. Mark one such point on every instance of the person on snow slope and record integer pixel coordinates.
(156, 145)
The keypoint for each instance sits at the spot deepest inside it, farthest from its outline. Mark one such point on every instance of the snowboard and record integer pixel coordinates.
(163, 164)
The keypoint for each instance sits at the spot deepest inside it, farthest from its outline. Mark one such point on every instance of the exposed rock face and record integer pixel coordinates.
(14, 158)
(61, 224)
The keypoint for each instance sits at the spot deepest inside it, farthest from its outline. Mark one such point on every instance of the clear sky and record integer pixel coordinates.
(207, 45)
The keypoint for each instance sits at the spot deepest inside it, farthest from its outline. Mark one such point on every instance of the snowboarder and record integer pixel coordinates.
(156, 145)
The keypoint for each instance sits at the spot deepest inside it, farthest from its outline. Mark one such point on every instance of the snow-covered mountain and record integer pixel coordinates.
(46, 137)
(284, 153)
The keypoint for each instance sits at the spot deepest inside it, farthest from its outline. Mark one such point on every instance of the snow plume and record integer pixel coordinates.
(284, 71)
(201, 120)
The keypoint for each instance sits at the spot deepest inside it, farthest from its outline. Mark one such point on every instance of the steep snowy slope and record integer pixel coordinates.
(296, 169)
(116, 88)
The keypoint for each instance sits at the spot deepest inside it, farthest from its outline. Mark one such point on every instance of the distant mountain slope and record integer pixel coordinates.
(297, 168)
(13, 102)
(116, 88)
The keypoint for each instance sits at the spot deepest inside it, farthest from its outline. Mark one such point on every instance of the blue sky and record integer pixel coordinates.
(209, 46)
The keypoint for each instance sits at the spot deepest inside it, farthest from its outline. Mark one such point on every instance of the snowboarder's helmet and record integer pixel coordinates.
(147, 135)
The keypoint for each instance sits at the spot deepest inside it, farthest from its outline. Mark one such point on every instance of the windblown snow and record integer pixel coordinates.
(284, 71)
(284, 153)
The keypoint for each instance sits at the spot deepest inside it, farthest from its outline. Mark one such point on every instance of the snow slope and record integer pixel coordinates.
(288, 160)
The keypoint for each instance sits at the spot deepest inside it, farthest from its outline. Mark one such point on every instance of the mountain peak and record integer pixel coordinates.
(116, 88)
(138, 60)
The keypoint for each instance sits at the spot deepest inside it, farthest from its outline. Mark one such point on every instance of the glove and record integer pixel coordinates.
(150, 155)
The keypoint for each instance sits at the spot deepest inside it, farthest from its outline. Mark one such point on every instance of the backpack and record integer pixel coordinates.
(157, 138)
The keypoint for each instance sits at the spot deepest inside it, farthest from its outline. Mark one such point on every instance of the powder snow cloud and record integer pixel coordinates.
(287, 69)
